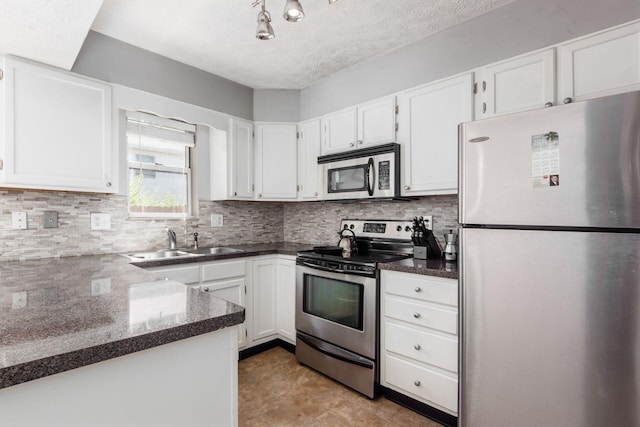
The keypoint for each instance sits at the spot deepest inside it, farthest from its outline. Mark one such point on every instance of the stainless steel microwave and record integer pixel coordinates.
(367, 173)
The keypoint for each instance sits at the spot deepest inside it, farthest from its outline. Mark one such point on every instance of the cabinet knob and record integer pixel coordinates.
(406, 187)
(259, 195)
(418, 289)
(108, 185)
(568, 100)
(548, 104)
(206, 289)
(315, 194)
(359, 142)
(416, 315)
(351, 144)
(416, 383)
(484, 107)
(235, 193)
(417, 347)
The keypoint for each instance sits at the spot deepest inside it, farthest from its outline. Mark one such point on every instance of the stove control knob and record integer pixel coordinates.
(352, 226)
(399, 228)
(407, 229)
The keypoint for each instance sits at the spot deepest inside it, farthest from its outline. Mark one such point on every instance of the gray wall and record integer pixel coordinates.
(516, 28)
(111, 60)
(276, 105)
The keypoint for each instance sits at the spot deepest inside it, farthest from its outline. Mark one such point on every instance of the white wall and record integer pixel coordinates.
(516, 28)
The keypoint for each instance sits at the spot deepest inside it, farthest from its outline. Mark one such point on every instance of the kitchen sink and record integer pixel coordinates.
(213, 251)
(180, 253)
(165, 253)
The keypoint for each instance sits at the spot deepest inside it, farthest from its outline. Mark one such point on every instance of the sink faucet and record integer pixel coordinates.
(172, 238)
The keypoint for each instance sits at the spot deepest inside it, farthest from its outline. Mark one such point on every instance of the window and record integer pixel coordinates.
(159, 156)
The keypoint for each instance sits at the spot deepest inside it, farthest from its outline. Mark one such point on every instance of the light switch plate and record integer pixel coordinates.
(216, 220)
(100, 221)
(19, 220)
(19, 299)
(50, 219)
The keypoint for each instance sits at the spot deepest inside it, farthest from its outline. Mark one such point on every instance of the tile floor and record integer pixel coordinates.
(275, 390)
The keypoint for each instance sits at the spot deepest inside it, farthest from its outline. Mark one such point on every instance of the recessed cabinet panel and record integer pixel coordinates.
(520, 84)
(241, 159)
(286, 303)
(603, 64)
(428, 121)
(264, 298)
(57, 132)
(309, 175)
(377, 121)
(276, 161)
(340, 131)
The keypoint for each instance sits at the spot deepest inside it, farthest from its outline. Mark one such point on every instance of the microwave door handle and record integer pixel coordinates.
(371, 176)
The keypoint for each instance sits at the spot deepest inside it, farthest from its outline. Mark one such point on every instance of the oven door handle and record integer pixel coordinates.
(342, 355)
(331, 270)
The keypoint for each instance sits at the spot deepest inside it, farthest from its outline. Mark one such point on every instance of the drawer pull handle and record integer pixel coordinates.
(417, 347)
(416, 383)
(206, 289)
(418, 289)
(416, 315)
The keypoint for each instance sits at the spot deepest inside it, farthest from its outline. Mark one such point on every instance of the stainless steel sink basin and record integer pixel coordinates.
(165, 253)
(213, 251)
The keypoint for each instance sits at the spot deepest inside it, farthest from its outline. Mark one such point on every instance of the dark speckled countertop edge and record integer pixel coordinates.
(40, 368)
(436, 268)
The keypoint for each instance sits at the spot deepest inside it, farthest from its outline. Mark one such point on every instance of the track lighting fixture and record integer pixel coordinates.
(293, 12)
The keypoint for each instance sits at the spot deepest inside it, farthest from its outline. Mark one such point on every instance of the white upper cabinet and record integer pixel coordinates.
(309, 177)
(367, 124)
(241, 137)
(523, 83)
(428, 132)
(276, 161)
(56, 130)
(602, 64)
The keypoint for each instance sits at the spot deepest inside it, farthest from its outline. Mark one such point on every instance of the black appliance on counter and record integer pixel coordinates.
(337, 302)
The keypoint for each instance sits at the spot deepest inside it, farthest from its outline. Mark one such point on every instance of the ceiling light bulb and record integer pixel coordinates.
(293, 11)
(264, 30)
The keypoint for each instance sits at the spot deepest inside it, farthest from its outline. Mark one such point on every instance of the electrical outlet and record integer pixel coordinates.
(19, 220)
(100, 221)
(50, 219)
(19, 300)
(100, 286)
(216, 220)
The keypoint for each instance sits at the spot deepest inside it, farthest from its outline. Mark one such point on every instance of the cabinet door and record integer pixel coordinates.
(377, 121)
(276, 162)
(604, 64)
(241, 159)
(231, 290)
(286, 299)
(340, 130)
(520, 84)
(57, 130)
(428, 131)
(264, 298)
(309, 174)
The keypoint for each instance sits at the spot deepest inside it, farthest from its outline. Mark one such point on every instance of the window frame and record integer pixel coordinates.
(146, 119)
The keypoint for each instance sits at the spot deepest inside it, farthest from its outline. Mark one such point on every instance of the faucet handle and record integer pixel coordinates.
(195, 240)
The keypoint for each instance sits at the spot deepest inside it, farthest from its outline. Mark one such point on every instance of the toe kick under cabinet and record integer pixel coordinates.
(419, 338)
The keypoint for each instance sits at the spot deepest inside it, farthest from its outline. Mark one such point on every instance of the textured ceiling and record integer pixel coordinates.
(218, 36)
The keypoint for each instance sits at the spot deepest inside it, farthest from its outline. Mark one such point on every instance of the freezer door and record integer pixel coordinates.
(510, 166)
(550, 329)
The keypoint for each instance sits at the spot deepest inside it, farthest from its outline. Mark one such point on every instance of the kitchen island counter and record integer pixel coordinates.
(429, 267)
(58, 314)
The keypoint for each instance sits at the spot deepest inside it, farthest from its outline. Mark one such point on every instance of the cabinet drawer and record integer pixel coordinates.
(223, 270)
(424, 383)
(187, 275)
(434, 289)
(421, 314)
(424, 347)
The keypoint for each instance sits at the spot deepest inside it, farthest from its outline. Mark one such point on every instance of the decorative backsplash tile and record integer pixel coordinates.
(244, 222)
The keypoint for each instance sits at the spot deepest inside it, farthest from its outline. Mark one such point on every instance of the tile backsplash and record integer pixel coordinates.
(244, 222)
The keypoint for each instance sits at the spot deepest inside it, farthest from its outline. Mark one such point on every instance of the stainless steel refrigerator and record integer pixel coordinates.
(549, 208)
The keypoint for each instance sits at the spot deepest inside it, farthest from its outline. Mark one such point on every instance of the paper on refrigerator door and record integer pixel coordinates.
(545, 160)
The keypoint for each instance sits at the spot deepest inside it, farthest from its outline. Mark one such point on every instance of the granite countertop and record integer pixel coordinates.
(429, 267)
(58, 314)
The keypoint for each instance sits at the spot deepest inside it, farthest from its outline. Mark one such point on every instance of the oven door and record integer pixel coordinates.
(338, 308)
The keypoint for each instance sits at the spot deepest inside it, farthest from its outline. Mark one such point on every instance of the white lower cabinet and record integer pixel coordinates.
(419, 338)
(286, 299)
(263, 292)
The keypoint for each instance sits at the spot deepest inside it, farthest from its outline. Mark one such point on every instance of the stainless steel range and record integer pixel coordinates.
(337, 302)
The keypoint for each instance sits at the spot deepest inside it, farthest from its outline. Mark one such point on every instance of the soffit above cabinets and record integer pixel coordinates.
(218, 36)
